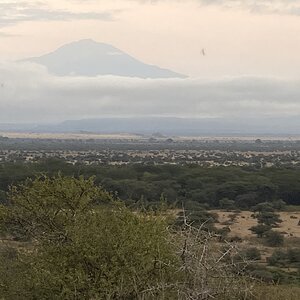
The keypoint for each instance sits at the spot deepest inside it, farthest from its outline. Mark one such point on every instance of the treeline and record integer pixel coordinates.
(141, 185)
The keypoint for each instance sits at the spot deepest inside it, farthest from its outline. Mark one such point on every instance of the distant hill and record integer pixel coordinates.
(90, 58)
(179, 126)
(168, 126)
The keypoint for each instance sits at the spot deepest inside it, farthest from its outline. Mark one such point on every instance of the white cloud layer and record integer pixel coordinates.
(289, 7)
(29, 94)
(14, 12)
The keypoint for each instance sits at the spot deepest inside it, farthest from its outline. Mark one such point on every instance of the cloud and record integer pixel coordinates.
(29, 94)
(288, 7)
(13, 12)
(5, 34)
(291, 7)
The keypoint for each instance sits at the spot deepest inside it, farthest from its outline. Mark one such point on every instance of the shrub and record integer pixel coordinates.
(252, 254)
(200, 219)
(81, 250)
(264, 275)
(260, 230)
(274, 239)
(278, 257)
(226, 203)
(83, 244)
(263, 207)
(268, 218)
(293, 255)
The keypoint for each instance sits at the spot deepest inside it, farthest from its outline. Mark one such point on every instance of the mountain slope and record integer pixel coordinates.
(89, 58)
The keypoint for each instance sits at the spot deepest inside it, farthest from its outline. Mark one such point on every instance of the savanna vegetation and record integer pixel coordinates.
(143, 232)
(66, 238)
(142, 185)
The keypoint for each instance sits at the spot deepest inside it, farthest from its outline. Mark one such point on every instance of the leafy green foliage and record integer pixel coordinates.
(260, 230)
(268, 218)
(274, 239)
(263, 207)
(83, 244)
(252, 254)
(227, 203)
(247, 187)
(285, 258)
(197, 218)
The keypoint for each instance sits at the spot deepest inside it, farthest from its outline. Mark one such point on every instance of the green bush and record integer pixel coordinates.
(293, 255)
(83, 244)
(198, 218)
(278, 258)
(260, 230)
(80, 250)
(268, 218)
(274, 239)
(226, 203)
(284, 258)
(252, 254)
(264, 275)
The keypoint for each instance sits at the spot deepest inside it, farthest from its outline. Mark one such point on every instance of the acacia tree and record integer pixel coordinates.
(81, 244)
(268, 218)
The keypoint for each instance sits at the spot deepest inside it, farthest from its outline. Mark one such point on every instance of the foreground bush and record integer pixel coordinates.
(69, 239)
(80, 250)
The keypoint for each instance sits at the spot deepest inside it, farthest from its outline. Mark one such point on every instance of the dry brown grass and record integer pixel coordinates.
(240, 227)
(282, 292)
(69, 136)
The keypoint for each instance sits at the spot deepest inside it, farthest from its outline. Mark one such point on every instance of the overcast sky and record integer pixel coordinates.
(251, 66)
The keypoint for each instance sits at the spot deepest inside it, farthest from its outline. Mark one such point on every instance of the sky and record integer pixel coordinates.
(251, 67)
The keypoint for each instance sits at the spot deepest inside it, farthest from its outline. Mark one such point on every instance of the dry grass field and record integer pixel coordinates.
(244, 220)
(92, 135)
(69, 136)
(240, 227)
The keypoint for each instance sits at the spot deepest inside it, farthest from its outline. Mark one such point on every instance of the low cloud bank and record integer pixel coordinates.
(284, 7)
(29, 94)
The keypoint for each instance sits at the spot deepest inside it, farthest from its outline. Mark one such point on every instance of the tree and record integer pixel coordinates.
(268, 218)
(3, 199)
(263, 207)
(197, 218)
(278, 258)
(83, 244)
(252, 254)
(278, 204)
(274, 239)
(260, 230)
(226, 203)
(293, 255)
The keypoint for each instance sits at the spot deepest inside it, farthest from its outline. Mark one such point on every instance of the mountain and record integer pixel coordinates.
(179, 126)
(89, 58)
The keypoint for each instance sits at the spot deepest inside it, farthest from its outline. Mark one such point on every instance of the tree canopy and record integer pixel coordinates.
(83, 244)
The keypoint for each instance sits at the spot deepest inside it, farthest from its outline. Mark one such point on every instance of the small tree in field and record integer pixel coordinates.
(260, 230)
(274, 239)
(268, 218)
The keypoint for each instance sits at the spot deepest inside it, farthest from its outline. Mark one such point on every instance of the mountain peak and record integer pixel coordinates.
(87, 43)
(90, 58)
